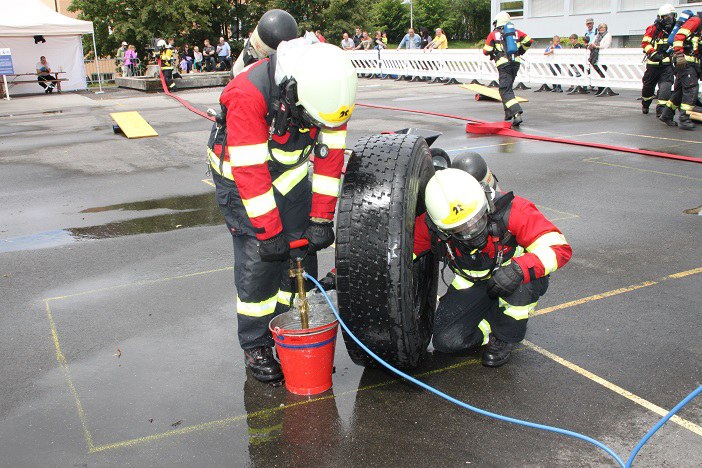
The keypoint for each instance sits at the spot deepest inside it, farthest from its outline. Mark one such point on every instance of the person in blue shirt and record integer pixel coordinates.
(555, 44)
(591, 31)
(410, 41)
(224, 53)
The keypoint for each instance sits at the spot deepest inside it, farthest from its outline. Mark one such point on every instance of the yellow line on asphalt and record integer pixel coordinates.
(633, 287)
(208, 182)
(67, 373)
(222, 423)
(690, 426)
(594, 297)
(655, 137)
(594, 161)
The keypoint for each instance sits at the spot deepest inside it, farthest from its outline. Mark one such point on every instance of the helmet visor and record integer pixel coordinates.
(470, 228)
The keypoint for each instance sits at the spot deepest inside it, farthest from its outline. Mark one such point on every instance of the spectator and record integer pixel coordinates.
(44, 77)
(603, 40)
(347, 42)
(208, 56)
(555, 44)
(575, 42)
(120, 58)
(224, 53)
(426, 38)
(439, 42)
(130, 60)
(590, 32)
(197, 59)
(385, 38)
(321, 38)
(187, 59)
(410, 41)
(357, 37)
(379, 44)
(366, 42)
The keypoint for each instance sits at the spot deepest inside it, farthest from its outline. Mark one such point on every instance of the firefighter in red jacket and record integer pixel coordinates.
(279, 111)
(686, 58)
(501, 249)
(659, 71)
(507, 65)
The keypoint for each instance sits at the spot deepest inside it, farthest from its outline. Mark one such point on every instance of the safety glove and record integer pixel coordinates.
(655, 57)
(275, 249)
(680, 60)
(505, 281)
(319, 233)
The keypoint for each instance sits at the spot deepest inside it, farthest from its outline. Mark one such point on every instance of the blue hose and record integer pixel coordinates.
(500, 417)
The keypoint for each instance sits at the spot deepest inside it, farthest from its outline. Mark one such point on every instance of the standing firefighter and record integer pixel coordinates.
(278, 112)
(167, 60)
(686, 58)
(502, 250)
(659, 71)
(505, 45)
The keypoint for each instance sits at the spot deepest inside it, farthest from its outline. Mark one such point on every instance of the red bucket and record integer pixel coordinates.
(306, 356)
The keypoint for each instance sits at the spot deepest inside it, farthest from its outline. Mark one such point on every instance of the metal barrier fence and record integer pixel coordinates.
(109, 69)
(616, 68)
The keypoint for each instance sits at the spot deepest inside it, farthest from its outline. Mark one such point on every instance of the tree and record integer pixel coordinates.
(391, 16)
(339, 17)
(434, 14)
(471, 20)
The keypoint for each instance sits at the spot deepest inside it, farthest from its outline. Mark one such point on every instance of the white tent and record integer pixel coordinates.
(20, 21)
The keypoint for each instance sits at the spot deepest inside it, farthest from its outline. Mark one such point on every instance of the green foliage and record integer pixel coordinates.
(191, 21)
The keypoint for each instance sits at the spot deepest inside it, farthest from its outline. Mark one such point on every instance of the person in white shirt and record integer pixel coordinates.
(44, 77)
(347, 43)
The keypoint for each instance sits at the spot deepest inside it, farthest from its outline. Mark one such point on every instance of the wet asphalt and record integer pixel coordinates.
(113, 252)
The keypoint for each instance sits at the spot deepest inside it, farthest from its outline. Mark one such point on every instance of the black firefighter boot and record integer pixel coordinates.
(667, 116)
(497, 352)
(263, 365)
(686, 122)
(517, 119)
(645, 106)
(659, 110)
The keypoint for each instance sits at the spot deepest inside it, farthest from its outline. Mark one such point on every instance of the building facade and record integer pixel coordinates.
(60, 6)
(627, 19)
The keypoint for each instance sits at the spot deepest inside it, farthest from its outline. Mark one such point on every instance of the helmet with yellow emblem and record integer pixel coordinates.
(457, 205)
(326, 85)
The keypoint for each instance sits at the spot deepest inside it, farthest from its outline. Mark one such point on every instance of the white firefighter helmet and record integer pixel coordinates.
(666, 9)
(501, 19)
(161, 44)
(326, 83)
(456, 203)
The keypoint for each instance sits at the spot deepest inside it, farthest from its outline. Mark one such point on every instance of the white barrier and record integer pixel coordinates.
(616, 68)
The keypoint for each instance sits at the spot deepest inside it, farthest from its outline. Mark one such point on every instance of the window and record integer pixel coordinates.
(639, 4)
(515, 9)
(583, 7)
(546, 8)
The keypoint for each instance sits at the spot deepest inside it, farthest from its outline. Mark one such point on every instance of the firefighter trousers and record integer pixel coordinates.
(662, 76)
(467, 317)
(686, 87)
(263, 289)
(168, 77)
(507, 74)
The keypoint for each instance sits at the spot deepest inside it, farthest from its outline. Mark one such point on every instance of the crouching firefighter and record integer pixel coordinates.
(505, 45)
(501, 249)
(686, 58)
(277, 113)
(659, 70)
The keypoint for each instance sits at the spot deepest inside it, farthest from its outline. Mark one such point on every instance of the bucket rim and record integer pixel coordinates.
(306, 332)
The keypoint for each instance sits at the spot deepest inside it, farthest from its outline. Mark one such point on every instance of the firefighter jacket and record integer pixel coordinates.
(687, 40)
(167, 58)
(495, 47)
(527, 238)
(260, 162)
(655, 41)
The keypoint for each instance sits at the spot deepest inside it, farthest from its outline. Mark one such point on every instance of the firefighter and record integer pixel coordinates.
(659, 71)
(167, 59)
(686, 58)
(507, 63)
(501, 249)
(277, 113)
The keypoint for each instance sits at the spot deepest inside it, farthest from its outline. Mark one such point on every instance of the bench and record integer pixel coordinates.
(10, 84)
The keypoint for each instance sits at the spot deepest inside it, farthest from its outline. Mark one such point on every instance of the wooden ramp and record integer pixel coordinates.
(483, 92)
(133, 125)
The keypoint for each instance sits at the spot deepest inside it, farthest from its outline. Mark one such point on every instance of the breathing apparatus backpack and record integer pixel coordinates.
(509, 34)
(684, 16)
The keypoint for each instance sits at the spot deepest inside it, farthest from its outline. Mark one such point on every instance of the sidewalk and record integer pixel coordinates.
(42, 103)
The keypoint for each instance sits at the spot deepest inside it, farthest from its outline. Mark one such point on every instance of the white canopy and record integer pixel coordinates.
(32, 17)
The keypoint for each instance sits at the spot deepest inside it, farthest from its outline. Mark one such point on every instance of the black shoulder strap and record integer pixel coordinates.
(500, 217)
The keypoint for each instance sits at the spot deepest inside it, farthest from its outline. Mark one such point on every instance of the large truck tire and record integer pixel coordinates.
(386, 298)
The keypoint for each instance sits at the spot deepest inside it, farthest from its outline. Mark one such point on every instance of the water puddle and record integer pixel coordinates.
(183, 212)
